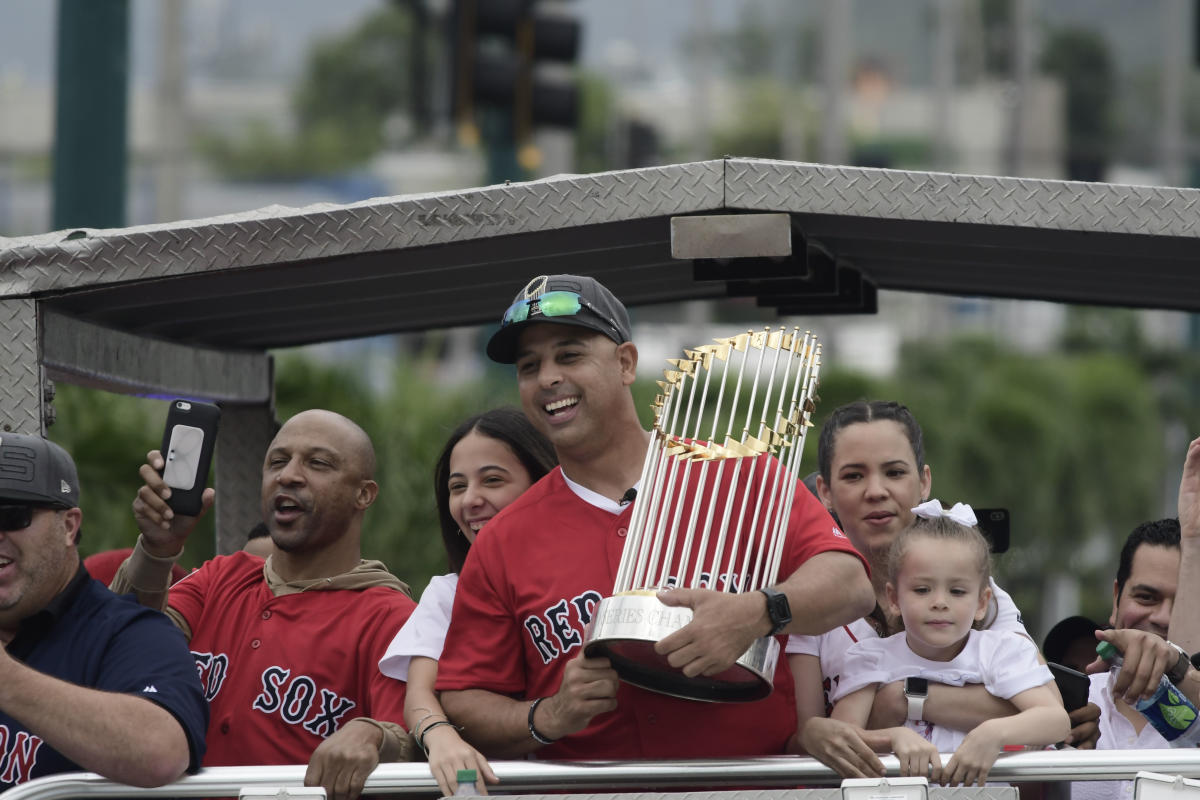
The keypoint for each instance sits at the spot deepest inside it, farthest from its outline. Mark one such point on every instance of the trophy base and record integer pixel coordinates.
(624, 628)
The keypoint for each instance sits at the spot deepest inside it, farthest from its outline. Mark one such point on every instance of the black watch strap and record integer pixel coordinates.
(778, 609)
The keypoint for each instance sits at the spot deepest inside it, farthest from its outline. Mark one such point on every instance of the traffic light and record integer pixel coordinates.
(513, 58)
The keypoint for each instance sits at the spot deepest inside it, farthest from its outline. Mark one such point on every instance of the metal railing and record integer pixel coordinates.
(532, 777)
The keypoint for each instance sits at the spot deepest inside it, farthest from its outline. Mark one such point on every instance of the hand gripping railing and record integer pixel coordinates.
(533, 777)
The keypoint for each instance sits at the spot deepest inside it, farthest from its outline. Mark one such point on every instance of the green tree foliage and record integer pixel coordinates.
(353, 83)
(756, 127)
(597, 106)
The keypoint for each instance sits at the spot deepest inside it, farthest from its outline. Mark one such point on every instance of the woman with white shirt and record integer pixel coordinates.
(487, 462)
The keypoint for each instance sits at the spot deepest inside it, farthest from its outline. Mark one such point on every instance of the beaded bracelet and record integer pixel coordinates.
(534, 731)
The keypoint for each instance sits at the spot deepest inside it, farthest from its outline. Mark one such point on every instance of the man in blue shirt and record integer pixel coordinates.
(88, 680)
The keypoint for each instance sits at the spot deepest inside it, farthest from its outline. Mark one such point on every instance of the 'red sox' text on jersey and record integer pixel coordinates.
(282, 673)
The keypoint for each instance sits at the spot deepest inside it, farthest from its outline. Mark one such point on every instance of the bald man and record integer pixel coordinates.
(287, 650)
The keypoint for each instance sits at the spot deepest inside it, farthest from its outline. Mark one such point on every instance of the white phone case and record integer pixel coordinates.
(183, 457)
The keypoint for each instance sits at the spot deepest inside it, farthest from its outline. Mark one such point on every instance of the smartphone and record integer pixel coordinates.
(994, 524)
(1072, 685)
(187, 449)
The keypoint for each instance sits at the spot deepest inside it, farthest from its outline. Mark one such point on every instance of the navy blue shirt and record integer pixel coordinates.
(91, 637)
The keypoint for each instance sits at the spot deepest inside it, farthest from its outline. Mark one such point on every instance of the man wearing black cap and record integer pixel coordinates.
(88, 680)
(535, 574)
(1071, 642)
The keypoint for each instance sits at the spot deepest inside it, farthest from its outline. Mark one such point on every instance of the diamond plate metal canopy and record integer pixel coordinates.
(280, 276)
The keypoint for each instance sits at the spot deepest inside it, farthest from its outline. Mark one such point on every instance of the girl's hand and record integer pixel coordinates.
(917, 755)
(974, 757)
(448, 753)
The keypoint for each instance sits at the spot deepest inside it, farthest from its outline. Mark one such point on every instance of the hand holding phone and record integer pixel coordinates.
(1072, 685)
(187, 447)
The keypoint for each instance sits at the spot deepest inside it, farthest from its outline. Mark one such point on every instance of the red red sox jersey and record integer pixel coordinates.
(283, 673)
(531, 583)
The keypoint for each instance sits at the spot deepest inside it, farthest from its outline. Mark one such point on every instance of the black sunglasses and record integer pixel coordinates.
(17, 517)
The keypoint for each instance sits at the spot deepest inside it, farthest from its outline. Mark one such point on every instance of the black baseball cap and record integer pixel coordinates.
(1065, 631)
(583, 302)
(36, 470)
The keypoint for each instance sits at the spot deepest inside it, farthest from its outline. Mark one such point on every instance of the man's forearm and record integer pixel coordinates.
(957, 707)
(964, 707)
(828, 590)
(1185, 615)
(496, 725)
(148, 577)
(123, 737)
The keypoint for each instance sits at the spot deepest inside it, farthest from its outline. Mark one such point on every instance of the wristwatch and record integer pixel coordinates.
(778, 609)
(1177, 672)
(916, 690)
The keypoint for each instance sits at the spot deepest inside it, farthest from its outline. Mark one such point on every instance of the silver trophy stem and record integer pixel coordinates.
(637, 516)
(686, 553)
(751, 580)
(738, 528)
(780, 519)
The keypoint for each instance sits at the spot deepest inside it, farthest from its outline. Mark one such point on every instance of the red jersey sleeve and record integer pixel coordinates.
(187, 596)
(483, 645)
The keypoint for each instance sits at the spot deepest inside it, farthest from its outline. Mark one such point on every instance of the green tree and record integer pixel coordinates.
(597, 107)
(1070, 444)
(755, 129)
(353, 84)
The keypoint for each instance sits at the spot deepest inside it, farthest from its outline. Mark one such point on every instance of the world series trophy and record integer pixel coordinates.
(712, 512)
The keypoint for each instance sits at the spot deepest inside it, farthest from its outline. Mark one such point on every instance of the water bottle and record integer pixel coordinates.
(466, 782)
(1171, 714)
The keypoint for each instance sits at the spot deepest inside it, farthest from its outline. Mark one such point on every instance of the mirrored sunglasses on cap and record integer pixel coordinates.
(18, 516)
(552, 304)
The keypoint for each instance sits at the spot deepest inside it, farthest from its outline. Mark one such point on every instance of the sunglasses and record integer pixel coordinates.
(17, 517)
(551, 304)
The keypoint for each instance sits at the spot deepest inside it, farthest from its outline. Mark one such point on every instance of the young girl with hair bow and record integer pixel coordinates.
(938, 573)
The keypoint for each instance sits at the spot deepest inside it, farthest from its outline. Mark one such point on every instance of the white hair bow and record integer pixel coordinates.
(961, 513)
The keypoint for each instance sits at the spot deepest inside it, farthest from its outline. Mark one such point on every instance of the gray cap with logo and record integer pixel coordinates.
(564, 300)
(36, 470)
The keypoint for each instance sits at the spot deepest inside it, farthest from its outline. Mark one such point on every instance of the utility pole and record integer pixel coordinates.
(171, 103)
(91, 113)
(1016, 159)
(1177, 28)
(945, 42)
(702, 101)
(791, 90)
(835, 62)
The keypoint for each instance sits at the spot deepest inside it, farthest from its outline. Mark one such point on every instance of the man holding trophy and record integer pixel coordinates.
(537, 657)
